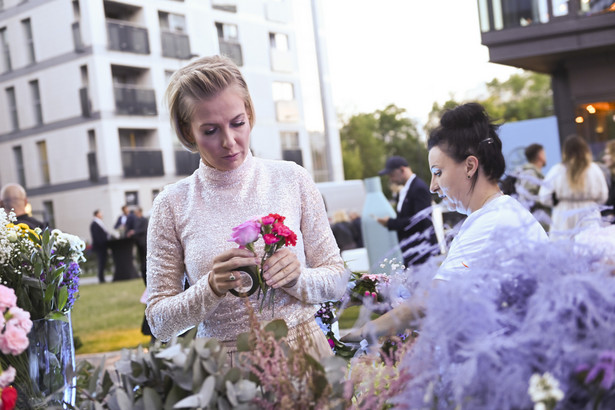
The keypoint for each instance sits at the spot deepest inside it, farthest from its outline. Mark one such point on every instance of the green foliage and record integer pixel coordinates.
(369, 138)
(522, 96)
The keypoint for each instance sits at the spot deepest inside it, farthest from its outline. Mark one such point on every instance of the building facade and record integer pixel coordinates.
(83, 124)
(574, 42)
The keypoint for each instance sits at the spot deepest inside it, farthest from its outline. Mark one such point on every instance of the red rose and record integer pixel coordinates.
(9, 398)
(281, 229)
(270, 238)
(278, 218)
(291, 240)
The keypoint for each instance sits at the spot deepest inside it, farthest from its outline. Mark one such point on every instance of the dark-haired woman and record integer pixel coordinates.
(466, 162)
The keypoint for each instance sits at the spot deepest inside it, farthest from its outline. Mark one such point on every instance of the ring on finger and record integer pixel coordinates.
(232, 277)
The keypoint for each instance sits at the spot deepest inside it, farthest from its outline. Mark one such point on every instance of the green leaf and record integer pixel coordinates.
(55, 315)
(151, 399)
(62, 298)
(49, 292)
(243, 342)
(278, 327)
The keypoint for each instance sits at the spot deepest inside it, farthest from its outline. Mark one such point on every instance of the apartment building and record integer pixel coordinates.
(574, 42)
(83, 124)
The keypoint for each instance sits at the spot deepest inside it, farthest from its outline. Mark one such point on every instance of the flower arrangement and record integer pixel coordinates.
(366, 286)
(15, 324)
(42, 267)
(275, 235)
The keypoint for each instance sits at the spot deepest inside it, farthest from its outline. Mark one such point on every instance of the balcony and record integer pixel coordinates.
(133, 100)
(123, 36)
(186, 162)
(175, 45)
(232, 50)
(142, 163)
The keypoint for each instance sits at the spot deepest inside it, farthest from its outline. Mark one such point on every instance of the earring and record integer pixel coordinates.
(469, 176)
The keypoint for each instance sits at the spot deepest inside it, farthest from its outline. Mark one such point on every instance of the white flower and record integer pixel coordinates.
(544, 388)
(11, 236)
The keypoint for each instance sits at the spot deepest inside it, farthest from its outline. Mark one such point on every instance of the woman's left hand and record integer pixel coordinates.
(282, 269)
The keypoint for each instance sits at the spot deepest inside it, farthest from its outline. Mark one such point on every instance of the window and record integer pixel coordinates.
(92, 158)
(36, 102)
(278, 41)
(155, 193)
(224, 5)
(49, 216)
(132, 198)
(283, 91)
(27, 31)
(227, 31)
(228, 39)
(44, 161)
(172, 22)
(290, 147)
(6, 52)
(19, 165)
(12, 105)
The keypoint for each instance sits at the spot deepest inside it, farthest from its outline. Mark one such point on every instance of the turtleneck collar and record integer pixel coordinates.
(226, 178)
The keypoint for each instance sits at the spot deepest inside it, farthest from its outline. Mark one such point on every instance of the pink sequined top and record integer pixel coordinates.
(191, 223)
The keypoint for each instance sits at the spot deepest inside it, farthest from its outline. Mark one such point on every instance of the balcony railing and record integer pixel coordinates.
(232, 50)
(175, 45)
(186, 162)
(127, 37)
(132, 100)
(142, 163)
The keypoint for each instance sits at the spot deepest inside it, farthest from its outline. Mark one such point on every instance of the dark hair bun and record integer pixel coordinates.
(464, 116)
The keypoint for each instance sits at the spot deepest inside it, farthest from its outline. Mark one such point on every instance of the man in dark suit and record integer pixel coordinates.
(415, 230)
(125, 222)
(100, 236)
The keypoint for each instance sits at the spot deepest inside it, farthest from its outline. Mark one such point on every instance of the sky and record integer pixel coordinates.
(411, 53)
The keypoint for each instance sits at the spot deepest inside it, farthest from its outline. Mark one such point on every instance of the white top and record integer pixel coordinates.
(576, 210)
(482, 232)
(404, 192)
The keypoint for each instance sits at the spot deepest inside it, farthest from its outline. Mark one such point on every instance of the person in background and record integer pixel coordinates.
(415, 231)
(342, 230)
(466, 162)
(609, 162)
(139, 235)
(191, 222)
(575, 188)
(100, 236)
(125, 222)
(13, 197)
(355, 224)
(529, 179)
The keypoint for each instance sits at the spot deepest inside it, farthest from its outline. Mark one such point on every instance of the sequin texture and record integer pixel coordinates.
(191, 222)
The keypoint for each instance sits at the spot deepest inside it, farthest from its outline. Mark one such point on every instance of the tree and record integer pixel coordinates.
(369, 138)
(523, 96)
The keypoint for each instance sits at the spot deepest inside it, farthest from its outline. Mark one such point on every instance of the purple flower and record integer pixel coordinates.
(246, 233)
(606, 365)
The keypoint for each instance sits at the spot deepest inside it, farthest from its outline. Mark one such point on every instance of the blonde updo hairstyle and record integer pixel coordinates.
(200, 80)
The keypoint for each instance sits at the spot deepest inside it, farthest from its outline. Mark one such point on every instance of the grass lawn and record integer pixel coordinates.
(107, 317)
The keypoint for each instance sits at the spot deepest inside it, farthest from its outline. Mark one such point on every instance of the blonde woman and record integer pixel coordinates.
(575, 187)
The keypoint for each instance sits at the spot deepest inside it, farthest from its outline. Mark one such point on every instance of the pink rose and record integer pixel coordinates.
(281, 229)
(268, 220)
(14, 340)
(7, 377)
(246, 233)
(270, 238)
(20, 318)
(7, 298)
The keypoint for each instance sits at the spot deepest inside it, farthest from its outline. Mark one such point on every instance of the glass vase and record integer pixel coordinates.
(51, 356)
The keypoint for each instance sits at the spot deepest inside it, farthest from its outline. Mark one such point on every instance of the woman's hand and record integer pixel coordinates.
(354, 335)
(223, 275)
(282, 269)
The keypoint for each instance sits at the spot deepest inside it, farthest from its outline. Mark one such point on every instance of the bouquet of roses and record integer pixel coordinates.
(15, 324)
(275, 235)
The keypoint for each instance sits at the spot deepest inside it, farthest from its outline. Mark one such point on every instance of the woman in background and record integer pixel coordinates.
(575, 188)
